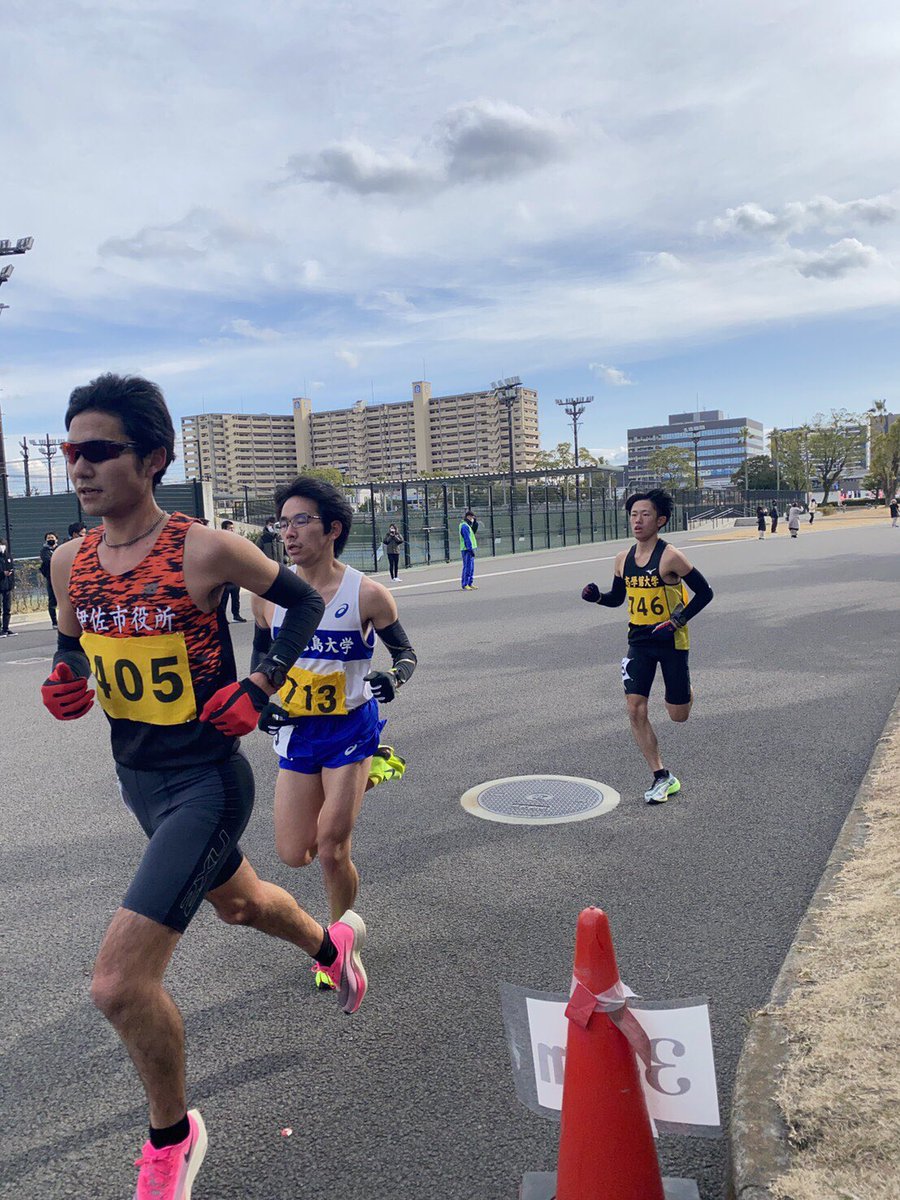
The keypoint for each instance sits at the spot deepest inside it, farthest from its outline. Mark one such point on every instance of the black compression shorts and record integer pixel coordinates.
(639, 670)
(193, 817)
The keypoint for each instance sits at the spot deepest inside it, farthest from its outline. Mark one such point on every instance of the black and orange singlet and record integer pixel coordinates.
(155, 656)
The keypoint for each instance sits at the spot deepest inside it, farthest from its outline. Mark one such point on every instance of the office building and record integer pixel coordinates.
(715, 444)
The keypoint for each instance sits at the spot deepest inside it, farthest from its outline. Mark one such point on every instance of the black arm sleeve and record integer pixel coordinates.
(615, 596)
(304, 612)
(262, 642)
(402, 653)
(69, 651)
(703, 593)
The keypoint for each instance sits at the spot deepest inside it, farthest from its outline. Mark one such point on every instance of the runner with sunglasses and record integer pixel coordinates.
(325, 719)
(138, 610)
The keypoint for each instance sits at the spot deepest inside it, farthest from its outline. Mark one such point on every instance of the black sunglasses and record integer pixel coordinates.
(97, 450)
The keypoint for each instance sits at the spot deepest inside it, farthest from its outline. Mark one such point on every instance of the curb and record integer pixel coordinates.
(760, 1149)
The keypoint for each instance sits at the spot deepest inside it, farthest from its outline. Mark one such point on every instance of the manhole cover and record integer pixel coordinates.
(539, 799)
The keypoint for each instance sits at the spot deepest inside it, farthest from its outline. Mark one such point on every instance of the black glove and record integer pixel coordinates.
(274, 717)
(384, 685)
(591, 593)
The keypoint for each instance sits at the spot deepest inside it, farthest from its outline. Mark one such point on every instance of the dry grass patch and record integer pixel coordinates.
(840, 1091)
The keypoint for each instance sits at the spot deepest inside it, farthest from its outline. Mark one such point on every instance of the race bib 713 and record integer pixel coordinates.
(144, 679)
(308, 694)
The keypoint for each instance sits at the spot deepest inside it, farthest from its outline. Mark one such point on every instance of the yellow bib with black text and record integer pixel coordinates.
(144, 679)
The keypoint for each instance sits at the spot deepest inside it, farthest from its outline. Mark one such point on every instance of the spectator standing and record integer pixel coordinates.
(895, 511)
(231, 591)
(51, 541)
(761, 521)
(392, 541)
(7, 583)
(77, 530)
(773, 513)
(269, 542)
(794, 520)
(467, 547)
(813, 505)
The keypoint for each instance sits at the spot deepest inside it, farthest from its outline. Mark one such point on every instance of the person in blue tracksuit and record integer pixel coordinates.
(467, 547)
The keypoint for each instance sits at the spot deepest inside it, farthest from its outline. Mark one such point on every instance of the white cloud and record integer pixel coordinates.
(665, 261)
(614, 455)
(348, 357)
(196, 235)
(358, 168)
(799, 216)
(482, 140)
(490, 139)
(611, 376)
(849, 254)
(247, 329)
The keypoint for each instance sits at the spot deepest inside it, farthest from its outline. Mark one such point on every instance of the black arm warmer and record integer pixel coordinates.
(703, 593)
(69, 651)
(402, 653)
(262, 642)
(616, 595)
(304, 612)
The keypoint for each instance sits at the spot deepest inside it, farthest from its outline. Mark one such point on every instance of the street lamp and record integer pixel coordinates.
(695, 432)
(6, 272)
(23, 244)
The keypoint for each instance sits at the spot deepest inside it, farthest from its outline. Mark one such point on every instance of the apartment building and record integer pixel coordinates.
(238, 450)
(464, 433)
(715, 443)
(454, 435)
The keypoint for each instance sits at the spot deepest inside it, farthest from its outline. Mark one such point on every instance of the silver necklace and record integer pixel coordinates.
(121, 545)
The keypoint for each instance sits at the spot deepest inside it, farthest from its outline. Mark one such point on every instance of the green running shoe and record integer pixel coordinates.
(323, 980)
(662, 789)
(385, 765)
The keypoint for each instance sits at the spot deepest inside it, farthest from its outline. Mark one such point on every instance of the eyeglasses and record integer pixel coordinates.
(97, 450)
(297, 522)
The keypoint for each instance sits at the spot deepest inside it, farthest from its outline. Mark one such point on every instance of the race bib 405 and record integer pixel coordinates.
(142, 678)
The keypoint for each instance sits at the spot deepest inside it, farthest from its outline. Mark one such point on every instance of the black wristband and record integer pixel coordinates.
(69, 651)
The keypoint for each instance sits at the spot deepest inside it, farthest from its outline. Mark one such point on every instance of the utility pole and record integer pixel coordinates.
(25, 465)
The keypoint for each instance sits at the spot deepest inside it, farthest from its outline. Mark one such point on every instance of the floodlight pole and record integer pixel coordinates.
(695, 432)
(507, 392)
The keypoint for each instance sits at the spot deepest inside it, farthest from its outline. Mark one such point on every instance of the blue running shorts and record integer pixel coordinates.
(317, 742)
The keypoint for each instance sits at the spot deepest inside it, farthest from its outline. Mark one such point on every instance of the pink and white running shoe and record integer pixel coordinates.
(169, 1174)
(347, 972)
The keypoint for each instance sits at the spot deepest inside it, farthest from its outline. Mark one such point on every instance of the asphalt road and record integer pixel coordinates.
(795, 670)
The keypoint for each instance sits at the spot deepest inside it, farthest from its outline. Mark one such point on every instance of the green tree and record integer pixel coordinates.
(760, 473)
(672, 466)
(832, 441)
(329, 474)
(884, 472)
(792, 459)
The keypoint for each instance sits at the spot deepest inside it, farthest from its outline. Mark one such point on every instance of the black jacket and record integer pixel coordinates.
(7, 579)
(46, 555)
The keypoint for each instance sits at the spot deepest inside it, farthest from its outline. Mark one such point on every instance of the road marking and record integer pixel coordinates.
(26, 662)
(575, 562)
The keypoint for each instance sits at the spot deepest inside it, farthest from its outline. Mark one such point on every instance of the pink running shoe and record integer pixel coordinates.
(347, 972)
(169, 1174)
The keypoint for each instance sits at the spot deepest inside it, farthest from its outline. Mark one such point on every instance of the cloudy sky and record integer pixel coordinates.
(658, 202)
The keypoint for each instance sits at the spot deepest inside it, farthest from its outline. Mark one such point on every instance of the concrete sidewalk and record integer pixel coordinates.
(816, 1110)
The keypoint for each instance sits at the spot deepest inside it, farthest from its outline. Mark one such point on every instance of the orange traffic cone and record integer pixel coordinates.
(606, 1149)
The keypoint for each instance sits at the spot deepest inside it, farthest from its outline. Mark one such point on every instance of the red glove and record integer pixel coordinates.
(235, 708)
(65, 695)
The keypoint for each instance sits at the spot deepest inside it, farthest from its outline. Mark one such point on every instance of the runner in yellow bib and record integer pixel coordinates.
(325, 719)
(649, 575)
